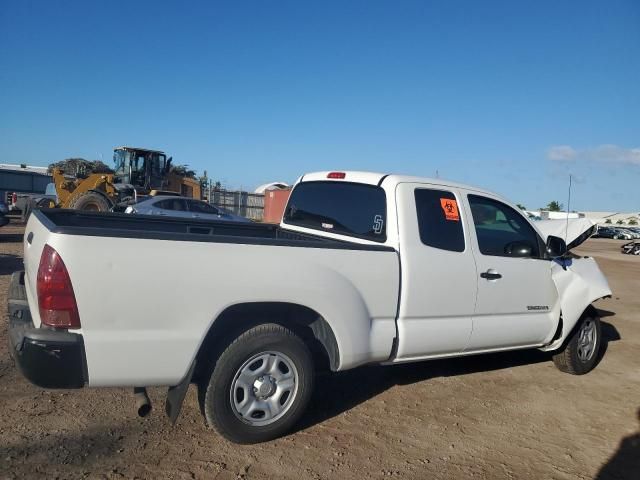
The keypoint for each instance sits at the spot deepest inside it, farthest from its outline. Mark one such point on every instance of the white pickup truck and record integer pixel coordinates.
(364, 268)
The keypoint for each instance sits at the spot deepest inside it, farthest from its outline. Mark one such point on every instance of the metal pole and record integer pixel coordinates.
(566, 229)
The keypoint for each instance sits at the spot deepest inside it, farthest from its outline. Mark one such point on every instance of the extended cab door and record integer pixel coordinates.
(517, 299)
(439, 279)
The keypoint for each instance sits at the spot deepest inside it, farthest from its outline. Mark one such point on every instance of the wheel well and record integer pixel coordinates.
(75, 196)
(590, 310)
(305, 322)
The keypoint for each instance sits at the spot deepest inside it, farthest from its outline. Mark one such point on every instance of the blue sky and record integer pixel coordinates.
(511, 96)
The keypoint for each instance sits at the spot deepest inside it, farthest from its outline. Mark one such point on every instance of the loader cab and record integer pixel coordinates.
(144, 169)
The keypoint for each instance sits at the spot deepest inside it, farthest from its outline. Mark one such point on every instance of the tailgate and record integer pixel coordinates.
(36, 235)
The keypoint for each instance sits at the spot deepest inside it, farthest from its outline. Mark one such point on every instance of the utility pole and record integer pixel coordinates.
(566, 229)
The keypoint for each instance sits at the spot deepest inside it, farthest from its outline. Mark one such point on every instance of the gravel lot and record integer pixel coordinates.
(498, 416)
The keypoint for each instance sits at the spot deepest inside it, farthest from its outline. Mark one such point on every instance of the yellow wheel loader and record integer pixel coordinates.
(138, 172)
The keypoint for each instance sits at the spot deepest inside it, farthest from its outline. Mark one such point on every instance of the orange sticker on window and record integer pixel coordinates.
(450, 208)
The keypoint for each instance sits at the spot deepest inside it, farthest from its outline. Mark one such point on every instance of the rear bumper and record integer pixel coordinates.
(47, 357)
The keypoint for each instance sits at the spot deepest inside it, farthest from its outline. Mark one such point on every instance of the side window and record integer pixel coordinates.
(502, 231)
(201, 207)
(439, 219)
(176, 204)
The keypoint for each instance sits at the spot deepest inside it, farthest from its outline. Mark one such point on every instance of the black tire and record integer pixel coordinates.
(91, 201)
(217, 393)
(573, 358)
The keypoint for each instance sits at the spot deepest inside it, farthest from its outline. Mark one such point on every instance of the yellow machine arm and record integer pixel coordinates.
(69, 191)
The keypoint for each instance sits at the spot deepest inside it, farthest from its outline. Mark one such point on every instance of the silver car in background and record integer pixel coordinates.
(631, 231)
(173, 206)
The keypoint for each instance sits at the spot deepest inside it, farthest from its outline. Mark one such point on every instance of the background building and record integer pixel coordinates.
(22, 179)
(602, 218)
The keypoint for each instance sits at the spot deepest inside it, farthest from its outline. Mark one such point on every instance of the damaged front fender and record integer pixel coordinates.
(580, 282)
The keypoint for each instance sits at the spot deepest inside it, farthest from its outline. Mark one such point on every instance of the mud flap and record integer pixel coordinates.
(176, 394)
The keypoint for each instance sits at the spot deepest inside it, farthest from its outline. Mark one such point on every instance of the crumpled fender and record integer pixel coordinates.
(579, 285)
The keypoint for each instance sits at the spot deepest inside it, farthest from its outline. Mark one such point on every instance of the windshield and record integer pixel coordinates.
(132, 167)
(122, 160)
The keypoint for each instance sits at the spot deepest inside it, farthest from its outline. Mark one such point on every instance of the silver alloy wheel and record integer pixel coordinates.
(264, 388)
(587, 339)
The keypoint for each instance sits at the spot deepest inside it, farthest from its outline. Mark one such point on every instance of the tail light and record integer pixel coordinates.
(336, 175)
(14, 198)
(56, 300)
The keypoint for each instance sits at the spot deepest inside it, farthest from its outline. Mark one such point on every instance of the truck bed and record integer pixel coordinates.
(150, 288)
(123, 225)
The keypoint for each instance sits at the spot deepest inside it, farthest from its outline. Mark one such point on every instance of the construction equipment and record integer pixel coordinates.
(138, 172)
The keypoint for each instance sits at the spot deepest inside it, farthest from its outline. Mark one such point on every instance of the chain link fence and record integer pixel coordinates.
(245, 204)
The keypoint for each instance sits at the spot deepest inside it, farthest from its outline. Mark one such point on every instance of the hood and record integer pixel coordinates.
(574, 232)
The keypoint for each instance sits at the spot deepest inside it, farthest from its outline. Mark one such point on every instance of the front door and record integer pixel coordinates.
(439, 278)
(517, 301)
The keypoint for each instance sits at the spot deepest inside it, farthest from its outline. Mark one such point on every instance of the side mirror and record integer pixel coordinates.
(556, 247)
(518, 249)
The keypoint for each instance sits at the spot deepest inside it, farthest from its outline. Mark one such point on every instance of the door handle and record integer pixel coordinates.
(490, 274)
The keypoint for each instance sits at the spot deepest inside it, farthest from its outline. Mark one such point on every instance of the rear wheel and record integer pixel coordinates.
(91, 202)
(260, 385)
(580, 354)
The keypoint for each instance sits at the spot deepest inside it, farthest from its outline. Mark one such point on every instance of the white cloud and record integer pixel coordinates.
(562, 153)
(602, 153)
(615, 154)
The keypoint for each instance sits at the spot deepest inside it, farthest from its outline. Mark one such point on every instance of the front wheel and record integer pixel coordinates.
(580, 354)
(260, 385)
(90, 202)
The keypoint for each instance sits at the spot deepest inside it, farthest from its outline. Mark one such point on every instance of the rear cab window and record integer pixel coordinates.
(345, 208)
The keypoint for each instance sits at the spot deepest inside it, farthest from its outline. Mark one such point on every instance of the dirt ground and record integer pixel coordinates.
(507, 415)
